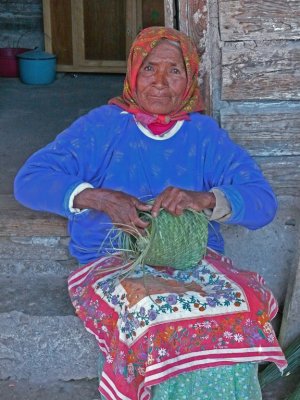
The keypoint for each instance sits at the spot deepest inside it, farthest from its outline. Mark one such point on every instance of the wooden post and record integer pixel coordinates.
(169, 8)
(193, 20)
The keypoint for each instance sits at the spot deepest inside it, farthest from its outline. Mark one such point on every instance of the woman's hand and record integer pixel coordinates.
(122, 208)
(175, 201)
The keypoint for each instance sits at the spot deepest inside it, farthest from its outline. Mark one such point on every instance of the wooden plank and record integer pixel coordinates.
(47, 25)
(153, 13)
(283, 173)
(169, 13)
(98, 68)
(105, 40)
(16, 220)
(259, 19)
(133, 19)
(265, 134)
(61, 30)
(193, 20)
(290, 327)
(256, 71)
(78, 32)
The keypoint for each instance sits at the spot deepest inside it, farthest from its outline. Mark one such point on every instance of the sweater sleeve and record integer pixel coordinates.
(230, 169)
(49, 177)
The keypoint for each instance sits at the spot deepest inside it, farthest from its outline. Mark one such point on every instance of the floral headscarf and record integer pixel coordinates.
(146, 40)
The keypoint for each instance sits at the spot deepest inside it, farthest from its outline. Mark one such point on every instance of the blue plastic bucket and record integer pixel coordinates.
(37, 67)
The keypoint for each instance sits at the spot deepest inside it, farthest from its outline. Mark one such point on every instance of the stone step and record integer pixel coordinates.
(44, 295)
(73, 390)
(41, 339)
(32, 242)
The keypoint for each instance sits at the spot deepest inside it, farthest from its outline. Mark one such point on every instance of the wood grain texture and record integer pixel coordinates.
(261, 71)
(283, 173)
(17, 220)
(153, 13)
(61, 30)
(265, 134)
(259, 19)
(169, 13)
(104, 29)
(193, 19)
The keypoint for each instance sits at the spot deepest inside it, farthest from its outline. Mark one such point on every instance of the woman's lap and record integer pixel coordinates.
(158, 321)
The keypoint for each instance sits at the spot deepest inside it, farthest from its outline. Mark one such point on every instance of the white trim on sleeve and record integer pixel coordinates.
(222, 210)
(75, 192)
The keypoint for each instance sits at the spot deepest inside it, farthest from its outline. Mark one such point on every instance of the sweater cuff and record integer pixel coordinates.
(75, 192)
(222, 210)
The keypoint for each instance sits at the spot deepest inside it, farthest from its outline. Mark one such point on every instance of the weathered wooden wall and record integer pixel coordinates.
(273, 138)
(259, 89)
(257, 98)
(193, 20)
(259, 19)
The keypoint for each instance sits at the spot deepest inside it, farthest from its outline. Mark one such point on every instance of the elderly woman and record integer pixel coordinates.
(165, 334)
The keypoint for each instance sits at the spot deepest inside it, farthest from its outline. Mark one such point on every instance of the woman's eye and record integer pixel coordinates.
(148, 68)
(175, 71)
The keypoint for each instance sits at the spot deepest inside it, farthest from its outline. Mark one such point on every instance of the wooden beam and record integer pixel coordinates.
(47, 25)
(259, 19)
(261, 71)
(193, 20)
(283, 173)
(265, 133)
(17, 220)
(169, 13)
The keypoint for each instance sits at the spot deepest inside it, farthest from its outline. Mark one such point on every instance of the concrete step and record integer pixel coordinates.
(41, 339)
(73, 390)
(44, 295)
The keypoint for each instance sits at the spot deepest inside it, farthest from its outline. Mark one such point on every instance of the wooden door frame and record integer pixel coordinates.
(80, 63)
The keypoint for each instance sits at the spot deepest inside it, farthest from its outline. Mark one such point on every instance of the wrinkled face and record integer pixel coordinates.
(161, 80)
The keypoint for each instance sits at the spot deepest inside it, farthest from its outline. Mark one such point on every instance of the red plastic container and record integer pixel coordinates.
(9, 62)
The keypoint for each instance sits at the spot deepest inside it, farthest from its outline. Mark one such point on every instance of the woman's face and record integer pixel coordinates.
(161, 80)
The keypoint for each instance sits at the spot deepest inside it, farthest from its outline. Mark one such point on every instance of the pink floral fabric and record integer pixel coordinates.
(157, 322)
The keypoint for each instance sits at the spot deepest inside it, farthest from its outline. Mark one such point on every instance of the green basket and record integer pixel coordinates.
(179, 242)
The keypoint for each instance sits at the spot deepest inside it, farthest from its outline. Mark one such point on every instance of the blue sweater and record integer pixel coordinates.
(106, 149)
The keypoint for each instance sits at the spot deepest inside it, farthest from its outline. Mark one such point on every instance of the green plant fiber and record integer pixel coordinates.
(176, 241)
(271, 372)
(295, 395)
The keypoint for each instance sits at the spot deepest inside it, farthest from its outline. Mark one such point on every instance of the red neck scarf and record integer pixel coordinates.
(146, 40)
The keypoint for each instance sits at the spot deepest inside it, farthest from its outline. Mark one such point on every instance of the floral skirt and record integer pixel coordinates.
(161, 330)
(231, 382)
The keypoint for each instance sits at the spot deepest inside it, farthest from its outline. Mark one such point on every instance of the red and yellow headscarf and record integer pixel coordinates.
(146, 40)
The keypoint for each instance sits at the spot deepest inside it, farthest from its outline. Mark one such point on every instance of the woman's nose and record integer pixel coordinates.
(161, 78)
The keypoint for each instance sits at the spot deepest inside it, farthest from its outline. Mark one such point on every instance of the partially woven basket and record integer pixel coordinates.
(176, 241)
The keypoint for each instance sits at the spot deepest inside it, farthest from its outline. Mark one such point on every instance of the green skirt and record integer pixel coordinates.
(230, 382)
